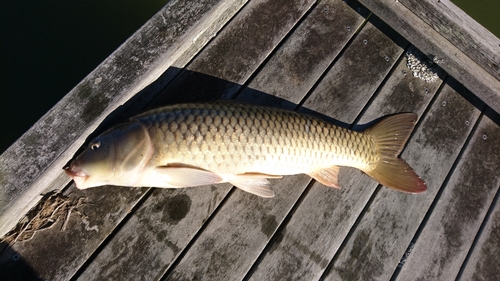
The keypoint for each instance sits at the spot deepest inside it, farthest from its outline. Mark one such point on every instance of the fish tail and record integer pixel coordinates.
(390, 136)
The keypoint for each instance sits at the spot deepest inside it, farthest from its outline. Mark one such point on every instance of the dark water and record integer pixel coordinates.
(485, 12)
(48, 47)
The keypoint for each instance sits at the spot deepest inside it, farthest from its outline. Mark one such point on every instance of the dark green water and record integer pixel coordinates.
(485, 12)
(48, 47)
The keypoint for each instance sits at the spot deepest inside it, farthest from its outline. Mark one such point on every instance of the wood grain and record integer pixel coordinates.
(296, 66)
(156, 234)
(440, 250)
(378, 242)
(236, 53)
(482, 264)
(358, 73)
(460, 29)
(446, 54)
(234, 239)
(57, 254)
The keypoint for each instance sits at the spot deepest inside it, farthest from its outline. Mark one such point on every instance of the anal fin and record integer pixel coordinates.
(255, 183)
(328, 176)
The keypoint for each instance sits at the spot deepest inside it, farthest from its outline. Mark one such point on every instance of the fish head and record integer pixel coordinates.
(114, 157)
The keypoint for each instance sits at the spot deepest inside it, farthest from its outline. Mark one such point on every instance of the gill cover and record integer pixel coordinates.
(114, 157)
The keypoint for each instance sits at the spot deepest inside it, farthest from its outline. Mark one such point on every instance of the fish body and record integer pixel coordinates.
(197, 144)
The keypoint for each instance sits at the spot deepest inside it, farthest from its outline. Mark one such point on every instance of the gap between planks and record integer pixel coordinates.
(439, 193)
(379, 187)
(473, 247)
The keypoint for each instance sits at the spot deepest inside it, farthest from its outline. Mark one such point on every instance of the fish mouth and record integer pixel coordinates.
(77, 174)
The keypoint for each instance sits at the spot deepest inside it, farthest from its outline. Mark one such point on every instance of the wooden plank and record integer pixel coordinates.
(303, 248)
(448, 56)
(233, 240)
(483, 263)
(56, 254)
(388, 224)
(236, 53)
(33, 164)
(358, 73)
(440, 250)
(399, 89)
(460, 29)
(155, 235)
(294, 69)
(168, 239)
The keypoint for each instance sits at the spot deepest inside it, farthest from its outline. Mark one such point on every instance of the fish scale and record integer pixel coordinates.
(206, 143)
(261, 136)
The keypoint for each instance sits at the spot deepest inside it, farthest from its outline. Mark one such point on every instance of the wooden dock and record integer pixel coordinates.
(346, 61)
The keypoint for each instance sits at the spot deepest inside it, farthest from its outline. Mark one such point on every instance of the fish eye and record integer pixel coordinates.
(95, 145)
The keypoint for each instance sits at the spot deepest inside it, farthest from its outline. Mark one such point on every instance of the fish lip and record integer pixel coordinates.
(72, 173)
(77, 174)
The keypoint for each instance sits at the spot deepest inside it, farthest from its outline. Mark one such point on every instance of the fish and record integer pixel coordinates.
(198, 144)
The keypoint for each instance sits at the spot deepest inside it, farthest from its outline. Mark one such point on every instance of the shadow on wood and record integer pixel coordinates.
(13, 266)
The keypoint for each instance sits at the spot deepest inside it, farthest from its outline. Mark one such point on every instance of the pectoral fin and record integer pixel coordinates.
(327, 176)
(255, 183)
(186, 176)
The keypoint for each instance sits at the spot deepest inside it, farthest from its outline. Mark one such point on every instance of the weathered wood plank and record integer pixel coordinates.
(154, 236)
(378, 242)
(398, 90)
(167, 240)
(234, 239)
(483, 263)
(236, 53)
(440, 250)
(453, 60)
(459, 28)
(230, 244)
(304, 247)
(358, 73)
(33, 163)
(57, 254)
(294, 69)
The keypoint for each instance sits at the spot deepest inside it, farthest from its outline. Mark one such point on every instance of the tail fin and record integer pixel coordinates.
(390, 136)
